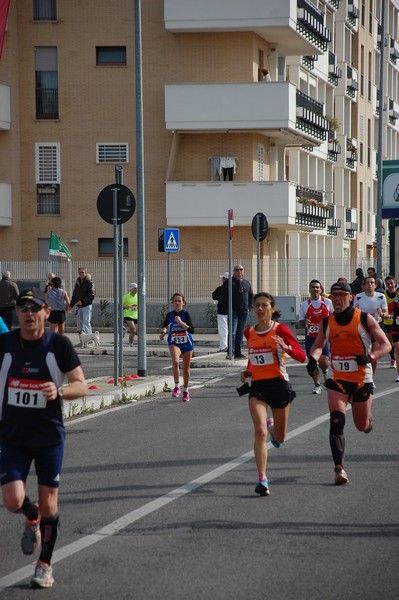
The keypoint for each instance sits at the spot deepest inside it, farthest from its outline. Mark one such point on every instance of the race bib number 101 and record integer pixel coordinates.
(25, 393)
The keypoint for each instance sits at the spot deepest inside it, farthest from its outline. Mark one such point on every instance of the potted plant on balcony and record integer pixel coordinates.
(333, 126)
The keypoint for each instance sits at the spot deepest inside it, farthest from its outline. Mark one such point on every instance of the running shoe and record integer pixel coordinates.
(176, 392)
(393, 363)
(43, 577)
(370, 427)
(340, 476)
(31, 538)
(317, 389)
(186, 396)
(270, 425)
(397, 378)
(263, 488)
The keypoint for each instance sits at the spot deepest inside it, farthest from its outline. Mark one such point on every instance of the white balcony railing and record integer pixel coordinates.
(5, 205)
(5, 107)
(205, 204)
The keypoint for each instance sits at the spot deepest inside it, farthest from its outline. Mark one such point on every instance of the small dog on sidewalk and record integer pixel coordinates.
(89, 340)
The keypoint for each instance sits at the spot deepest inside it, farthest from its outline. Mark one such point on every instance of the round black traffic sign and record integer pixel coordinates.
(126, 203)
(260, 227)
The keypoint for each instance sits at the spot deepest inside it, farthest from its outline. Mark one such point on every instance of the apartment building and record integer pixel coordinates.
(302, 149)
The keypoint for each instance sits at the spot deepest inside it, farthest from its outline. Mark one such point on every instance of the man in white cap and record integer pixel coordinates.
(130, 312)
(221, 315)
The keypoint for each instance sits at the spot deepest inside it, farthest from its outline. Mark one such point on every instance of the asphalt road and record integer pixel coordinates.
(157, 501)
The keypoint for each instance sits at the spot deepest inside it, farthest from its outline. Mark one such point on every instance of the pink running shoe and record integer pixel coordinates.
(176, 392)
(186, 396)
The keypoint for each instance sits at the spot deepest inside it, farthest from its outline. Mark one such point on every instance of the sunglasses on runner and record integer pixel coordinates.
(30, 307)
(339, 294)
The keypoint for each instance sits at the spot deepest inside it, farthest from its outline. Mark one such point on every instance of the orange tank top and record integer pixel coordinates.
(265, 355)
(345, 342)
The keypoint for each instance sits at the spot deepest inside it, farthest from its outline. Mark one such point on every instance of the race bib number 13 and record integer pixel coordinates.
(25, 393)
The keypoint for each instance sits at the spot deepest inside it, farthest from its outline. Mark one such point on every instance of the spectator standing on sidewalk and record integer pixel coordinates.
(34, 363)
(222, 319)
(58, 300)
(242, 303)
(8, 296)
(82, 297)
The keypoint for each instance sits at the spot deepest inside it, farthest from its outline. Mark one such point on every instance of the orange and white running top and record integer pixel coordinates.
(345, 342)
(266, 359)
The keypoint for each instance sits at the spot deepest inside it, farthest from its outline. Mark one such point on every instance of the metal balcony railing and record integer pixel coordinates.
(310, 116)
(47, 104)
(310, 23)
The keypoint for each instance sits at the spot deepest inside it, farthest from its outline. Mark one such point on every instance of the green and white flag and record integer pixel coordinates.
(58, 248)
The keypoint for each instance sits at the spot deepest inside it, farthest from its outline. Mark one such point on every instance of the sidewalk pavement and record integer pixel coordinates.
(104, 393)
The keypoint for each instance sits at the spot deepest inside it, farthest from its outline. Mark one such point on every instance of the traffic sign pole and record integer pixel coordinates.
(116, 283)
(230, 225)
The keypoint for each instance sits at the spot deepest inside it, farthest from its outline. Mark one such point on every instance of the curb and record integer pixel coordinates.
(119, 395)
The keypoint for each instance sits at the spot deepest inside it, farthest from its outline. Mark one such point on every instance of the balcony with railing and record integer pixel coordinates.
(347, 158)
(334, 72)
(295, 26)
(350, 223)
(312, 210)
(393, 51)
(277, 110)
(351, 82)
(333, 146)
(5, 107)
(205, 203)
(353, 14)
(5, 204)
(393, 113)
(310, 116)
(333, 224)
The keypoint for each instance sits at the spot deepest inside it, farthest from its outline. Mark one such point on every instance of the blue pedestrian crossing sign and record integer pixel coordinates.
(172, 240)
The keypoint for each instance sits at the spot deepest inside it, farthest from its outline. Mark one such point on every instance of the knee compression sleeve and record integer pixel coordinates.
(337, 438)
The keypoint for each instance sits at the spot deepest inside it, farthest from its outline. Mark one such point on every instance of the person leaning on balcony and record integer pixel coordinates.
(8, 296)
(265, 75)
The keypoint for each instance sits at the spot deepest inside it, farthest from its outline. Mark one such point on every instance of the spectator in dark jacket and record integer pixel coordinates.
(8, 295)
(223, 328)
(356, 285)
(82, 297)
(242, 303)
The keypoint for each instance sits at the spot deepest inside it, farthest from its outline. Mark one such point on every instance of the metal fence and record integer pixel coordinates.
(196, 279)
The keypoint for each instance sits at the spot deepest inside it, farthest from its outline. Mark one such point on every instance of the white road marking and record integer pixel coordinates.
(130, 518)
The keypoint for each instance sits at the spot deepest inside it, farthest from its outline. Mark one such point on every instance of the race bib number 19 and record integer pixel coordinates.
(25, 393)
(345, 364)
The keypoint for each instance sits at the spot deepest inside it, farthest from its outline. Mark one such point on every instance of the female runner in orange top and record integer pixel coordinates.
(269, 342)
